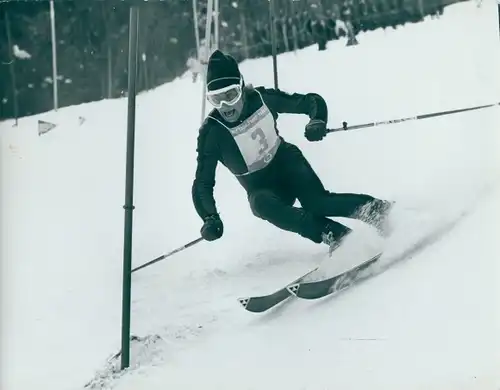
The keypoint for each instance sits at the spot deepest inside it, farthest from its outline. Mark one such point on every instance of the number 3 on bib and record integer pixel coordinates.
(257, 139)
(259, 135)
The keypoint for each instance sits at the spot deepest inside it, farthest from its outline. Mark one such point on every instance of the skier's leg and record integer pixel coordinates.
(305, 183)
(279, 211)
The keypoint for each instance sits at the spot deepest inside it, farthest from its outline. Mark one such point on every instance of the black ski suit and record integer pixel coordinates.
(273, 172)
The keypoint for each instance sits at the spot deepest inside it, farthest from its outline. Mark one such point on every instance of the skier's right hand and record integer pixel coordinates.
(212, 228)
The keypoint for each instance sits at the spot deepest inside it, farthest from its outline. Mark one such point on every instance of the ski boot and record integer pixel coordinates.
(333, 234)
(376, 214)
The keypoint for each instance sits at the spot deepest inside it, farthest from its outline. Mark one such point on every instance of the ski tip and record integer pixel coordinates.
(293, 288)
(252, 306)
(244, 302)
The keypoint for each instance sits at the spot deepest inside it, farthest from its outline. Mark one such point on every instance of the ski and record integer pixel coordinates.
(322, 288)
(259, 304)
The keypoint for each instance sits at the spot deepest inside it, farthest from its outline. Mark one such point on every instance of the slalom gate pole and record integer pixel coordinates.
(206, 55)
(274, 49)
(54, 55)
(346, 127)
(216, 24)
(194, 242)
(129, 184)
(196, 30)
(12, 69)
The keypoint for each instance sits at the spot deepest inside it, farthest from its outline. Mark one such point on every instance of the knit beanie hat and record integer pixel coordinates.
(222, 71)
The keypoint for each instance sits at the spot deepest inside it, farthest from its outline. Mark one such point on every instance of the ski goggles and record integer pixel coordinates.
(229, 95)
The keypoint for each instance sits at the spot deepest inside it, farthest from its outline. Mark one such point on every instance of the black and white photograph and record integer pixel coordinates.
(249, 194)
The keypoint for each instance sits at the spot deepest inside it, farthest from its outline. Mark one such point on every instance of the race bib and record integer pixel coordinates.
(257, 139)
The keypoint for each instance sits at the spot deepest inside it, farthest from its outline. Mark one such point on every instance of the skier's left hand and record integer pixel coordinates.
(315, 130)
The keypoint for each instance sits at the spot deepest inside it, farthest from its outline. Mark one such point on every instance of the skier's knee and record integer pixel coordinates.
(313, 203)
(310, 205)
(261, 203)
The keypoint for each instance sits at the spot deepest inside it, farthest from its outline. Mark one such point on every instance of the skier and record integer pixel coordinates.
(241, 133)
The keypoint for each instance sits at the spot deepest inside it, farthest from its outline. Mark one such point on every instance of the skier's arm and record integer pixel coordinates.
(204, 182)
(310, 104)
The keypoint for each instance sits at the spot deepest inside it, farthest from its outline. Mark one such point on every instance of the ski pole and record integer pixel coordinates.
(410, 118)
(181, 248)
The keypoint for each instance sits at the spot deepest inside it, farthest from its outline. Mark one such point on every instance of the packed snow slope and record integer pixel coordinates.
(430, 322)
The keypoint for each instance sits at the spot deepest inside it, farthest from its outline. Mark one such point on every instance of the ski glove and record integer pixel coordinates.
(315, 130)
(213, 228)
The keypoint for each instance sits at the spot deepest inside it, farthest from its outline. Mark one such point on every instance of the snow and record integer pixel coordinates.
(429, 321)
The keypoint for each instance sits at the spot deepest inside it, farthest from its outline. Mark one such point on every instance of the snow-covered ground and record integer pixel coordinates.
(429, 322)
